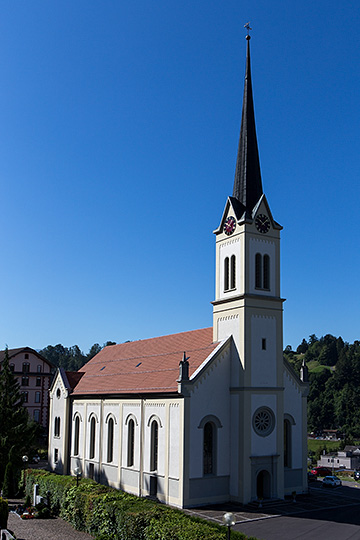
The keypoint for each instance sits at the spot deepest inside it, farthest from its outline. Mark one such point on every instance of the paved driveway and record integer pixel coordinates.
(328, 514)
(44, 529)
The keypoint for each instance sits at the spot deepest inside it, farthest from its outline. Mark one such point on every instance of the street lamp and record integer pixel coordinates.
(77, 471)
(25, 459)
(229, 521)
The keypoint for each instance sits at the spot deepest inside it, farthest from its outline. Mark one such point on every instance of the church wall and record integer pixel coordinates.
(58, 443)
(175, 439)
(233, 246)
(77, 460)
(137, 477)
(264, 247)
(263, 445)
(293, 407)
(263, 367)
(210, 401)
(155, 410)
(130, 410)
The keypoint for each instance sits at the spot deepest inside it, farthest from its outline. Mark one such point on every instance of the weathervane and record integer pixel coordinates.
(248, 28)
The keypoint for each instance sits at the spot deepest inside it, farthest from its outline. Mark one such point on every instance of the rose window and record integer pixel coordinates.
(263, 421)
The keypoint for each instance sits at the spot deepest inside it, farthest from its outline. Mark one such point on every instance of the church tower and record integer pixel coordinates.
(248, 306)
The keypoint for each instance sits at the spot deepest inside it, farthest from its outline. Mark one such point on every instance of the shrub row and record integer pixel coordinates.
(110, 514)
(4, 513)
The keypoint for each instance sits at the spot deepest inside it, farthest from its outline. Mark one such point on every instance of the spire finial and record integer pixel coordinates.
(248, 28)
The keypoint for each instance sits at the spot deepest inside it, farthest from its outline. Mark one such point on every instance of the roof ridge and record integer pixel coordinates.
(180, 351)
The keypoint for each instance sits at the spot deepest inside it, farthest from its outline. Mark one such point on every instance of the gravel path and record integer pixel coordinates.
(43, 529)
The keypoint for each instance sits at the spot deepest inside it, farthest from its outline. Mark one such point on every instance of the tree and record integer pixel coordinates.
(71, 358)
(18, 433)
(313, 339)
(303, 347)
(95, 349)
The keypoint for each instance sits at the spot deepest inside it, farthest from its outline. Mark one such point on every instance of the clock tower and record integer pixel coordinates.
(248, 306)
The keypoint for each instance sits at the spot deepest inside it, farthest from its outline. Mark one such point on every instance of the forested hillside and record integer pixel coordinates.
(334, 376)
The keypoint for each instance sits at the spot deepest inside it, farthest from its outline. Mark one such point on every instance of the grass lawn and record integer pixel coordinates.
(315, 444)
(315, 367)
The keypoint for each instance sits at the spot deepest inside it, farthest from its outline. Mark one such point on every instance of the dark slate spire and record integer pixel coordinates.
(247, 184)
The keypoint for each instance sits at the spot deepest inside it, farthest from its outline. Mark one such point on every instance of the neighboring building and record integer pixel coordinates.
(209, 415)
(349, 458)
(34, 374)
(332, 434)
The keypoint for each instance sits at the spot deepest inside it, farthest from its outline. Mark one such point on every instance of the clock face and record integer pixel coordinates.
(262, 223)
(229, 225)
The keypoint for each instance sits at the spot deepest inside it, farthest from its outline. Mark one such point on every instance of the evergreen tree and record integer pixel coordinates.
(18, 433)
(96, 348)
(303, 347)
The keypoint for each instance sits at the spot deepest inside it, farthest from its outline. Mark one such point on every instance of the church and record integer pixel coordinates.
(205, 416)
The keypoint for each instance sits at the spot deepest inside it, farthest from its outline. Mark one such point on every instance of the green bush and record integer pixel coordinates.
(110, 514)
(8, 487)
(4, 513)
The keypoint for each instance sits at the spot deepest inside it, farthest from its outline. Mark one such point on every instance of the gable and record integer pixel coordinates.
(232, 207)
(263, 207)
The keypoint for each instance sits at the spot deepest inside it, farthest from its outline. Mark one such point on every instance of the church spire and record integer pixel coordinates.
(247, 183)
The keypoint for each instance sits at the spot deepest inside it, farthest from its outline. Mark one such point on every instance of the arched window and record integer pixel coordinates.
(262, 271)
(26, 367)
(266, 283)
(154, 445)
(57, 426)
(233, 270)
(92, 438)
(131, 443)
(209, 448)
(258, 270)
(226, 274)
(76, 436)
(288, 423)
(110, 441)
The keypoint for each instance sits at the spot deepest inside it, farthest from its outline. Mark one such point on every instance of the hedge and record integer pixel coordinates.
(4, 513)
(110, 514)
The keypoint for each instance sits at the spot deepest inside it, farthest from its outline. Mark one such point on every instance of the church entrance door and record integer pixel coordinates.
(263, 485)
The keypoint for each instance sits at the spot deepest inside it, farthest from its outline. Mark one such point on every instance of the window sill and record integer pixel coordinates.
(261, 289)
(229, 290)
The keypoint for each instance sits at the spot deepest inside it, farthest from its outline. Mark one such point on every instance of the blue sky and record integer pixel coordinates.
(118, 137)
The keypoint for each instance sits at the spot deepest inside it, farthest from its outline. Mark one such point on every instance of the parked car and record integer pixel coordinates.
(357, 474)
(331, 481)
(321, 471)
(311, 477)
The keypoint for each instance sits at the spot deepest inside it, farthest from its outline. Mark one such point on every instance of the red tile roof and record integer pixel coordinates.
(146, 366)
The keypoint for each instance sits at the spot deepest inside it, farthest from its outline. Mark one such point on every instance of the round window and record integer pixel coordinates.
(263, 421)
(58, 393)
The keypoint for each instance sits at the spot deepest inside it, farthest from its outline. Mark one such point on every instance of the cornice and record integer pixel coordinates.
(248, 296)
